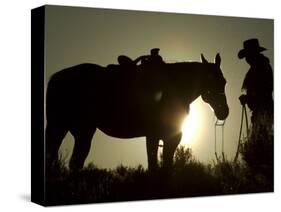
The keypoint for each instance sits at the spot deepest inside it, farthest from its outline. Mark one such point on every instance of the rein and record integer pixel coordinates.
(241, 128)
(220, 124)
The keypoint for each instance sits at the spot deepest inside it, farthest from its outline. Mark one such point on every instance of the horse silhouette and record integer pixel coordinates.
(146, 101)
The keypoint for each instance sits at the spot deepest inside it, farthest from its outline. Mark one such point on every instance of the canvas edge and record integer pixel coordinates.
(37, 105)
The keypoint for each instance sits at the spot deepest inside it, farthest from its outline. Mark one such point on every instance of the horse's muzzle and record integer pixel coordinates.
(222, 112)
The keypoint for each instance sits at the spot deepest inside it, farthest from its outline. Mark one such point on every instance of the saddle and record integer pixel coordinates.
(124, 63)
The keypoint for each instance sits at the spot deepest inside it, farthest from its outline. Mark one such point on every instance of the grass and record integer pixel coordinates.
(188, 178)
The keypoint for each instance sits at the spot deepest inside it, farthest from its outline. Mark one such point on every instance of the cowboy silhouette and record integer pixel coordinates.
(258, 82)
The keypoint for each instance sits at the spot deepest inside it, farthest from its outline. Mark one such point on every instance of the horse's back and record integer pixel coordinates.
(79, 72)
(72, 89)
(90, 93)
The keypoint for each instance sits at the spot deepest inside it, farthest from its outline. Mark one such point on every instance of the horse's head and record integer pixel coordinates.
(214, 88)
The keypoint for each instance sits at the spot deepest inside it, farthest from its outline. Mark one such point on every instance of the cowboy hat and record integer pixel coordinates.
(250, 46)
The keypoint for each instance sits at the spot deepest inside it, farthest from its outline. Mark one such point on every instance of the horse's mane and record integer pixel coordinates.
(185, 63)
(192, 69)
(190, 66)
(187, 69)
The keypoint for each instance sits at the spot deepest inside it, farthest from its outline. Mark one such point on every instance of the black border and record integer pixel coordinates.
(37, 105)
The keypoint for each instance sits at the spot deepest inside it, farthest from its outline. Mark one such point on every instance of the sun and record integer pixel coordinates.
(190, 125)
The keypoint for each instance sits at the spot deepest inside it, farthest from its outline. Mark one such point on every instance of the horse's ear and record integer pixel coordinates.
(203, 59)
(218, 60)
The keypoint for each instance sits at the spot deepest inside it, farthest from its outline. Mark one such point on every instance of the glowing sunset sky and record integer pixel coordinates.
(85, 35)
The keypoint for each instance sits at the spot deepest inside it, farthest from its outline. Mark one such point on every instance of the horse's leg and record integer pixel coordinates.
(82, 144)
(152, 149)
(54, 135)
(170, 145)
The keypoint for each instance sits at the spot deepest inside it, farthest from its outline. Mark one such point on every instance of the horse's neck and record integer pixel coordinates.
(189, 79)
(182, 80)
